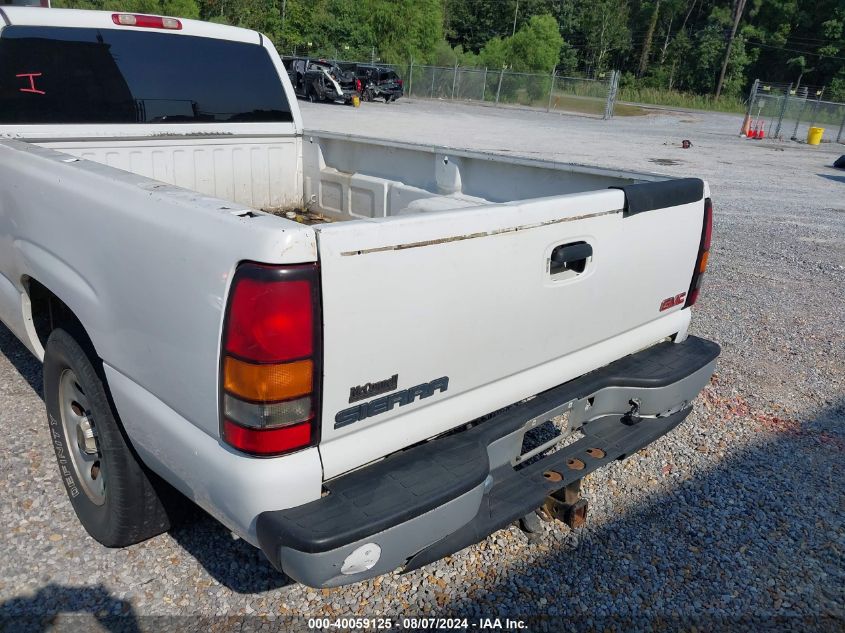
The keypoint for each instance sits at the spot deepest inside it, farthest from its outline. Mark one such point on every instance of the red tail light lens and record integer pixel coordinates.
(358, 85)
(270, 366)
(703, 255)
(269, 441)
(146, 21)
(271, 320)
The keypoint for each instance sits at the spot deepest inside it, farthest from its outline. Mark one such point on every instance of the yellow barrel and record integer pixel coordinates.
(356, 102)
(814, 135)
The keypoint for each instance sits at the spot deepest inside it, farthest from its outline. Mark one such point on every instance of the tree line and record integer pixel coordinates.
(714, 47)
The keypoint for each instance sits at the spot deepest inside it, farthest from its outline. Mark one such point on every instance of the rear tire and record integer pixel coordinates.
(316, 93)
(112, 493)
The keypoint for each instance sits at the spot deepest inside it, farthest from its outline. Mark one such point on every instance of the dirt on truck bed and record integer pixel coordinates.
(303, 216)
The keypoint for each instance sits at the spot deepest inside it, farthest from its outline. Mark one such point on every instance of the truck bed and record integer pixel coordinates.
(347, 177)
(341, 177)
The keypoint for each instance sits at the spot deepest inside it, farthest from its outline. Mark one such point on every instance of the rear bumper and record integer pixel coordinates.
(433, 499)
(392, 92)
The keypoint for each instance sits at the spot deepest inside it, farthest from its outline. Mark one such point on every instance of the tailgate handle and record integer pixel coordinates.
(570, 257)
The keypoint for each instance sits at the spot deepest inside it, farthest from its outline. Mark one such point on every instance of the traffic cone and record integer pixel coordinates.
(746, 125)
(762, 132)
(752, 132)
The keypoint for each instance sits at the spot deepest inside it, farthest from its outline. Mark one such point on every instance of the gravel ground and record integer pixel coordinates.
(733, 521)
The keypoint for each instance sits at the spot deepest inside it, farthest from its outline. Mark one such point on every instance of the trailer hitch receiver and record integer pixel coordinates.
(566, 505)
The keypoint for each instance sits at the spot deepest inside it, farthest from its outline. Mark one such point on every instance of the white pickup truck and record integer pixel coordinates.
(336, 346)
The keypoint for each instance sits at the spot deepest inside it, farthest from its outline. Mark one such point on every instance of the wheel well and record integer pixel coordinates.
(49, 313)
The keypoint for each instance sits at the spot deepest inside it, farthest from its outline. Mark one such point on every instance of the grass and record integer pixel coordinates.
(675, 99)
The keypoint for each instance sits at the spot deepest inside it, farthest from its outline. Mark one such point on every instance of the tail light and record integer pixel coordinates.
(400, 83)
(358, 85)
(703, 254)
(146, 21)
(270, 365)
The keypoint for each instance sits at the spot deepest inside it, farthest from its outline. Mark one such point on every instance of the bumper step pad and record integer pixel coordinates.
(512, 491)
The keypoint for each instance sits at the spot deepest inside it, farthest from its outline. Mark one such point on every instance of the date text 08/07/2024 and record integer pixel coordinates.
(415, 624)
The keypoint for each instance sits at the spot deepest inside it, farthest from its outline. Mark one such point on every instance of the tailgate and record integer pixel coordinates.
(432, 320)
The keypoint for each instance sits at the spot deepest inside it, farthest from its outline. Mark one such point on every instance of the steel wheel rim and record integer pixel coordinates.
(81, 438)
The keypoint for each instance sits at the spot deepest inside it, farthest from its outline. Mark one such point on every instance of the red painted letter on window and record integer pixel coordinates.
(32, 87)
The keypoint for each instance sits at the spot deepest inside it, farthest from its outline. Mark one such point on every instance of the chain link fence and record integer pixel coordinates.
(786, 112)
(551, 92)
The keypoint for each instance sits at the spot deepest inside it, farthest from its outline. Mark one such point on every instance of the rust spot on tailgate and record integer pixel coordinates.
(472, 236)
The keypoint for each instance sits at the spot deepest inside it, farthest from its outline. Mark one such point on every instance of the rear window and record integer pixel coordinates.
(76, 75)
(389, 75)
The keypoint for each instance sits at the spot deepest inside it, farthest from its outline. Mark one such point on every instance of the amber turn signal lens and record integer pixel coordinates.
(702, 266)
(268, 383)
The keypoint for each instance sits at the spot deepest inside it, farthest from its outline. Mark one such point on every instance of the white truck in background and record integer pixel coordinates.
(334, 345)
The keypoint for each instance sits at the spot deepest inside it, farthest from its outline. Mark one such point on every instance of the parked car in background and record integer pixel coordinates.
(379, 82)
(321, 80)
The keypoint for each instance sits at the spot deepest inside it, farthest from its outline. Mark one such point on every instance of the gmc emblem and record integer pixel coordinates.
(671, 302)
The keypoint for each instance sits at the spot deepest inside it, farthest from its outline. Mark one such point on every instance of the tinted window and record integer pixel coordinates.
(389, 75)
(72, 75)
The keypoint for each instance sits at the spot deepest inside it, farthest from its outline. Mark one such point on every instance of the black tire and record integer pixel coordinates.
(131, 509)
(316, 93)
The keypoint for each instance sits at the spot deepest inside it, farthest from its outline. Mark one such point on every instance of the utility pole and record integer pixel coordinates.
(515, 11)
(738, 7)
